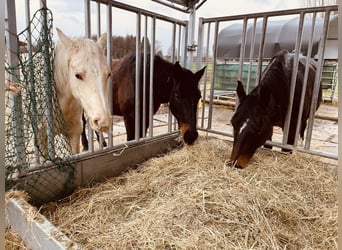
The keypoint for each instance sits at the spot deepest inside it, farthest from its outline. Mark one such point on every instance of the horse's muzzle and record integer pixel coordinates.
(240, 162)
(189, 133)
(100, 124)
(190, 137)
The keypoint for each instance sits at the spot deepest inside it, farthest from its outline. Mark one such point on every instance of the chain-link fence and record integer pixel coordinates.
(34, 124)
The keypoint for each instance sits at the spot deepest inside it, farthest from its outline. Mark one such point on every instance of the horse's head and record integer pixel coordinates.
(251, 123)
(184, 99)
(86, 74)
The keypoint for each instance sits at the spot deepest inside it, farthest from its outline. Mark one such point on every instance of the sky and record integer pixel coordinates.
(69, 15)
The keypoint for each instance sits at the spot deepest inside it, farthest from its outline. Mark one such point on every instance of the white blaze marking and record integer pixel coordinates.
(243, 126)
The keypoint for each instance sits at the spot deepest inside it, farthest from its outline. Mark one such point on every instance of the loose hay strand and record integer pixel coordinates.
(187, 200)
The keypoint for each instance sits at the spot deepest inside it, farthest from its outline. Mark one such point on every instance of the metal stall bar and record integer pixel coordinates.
(293, 78)
(243, 47)
(199, 45)
(15, 100)
(144, 80)
(109, 21)
(306, 74)
(98, 22)
(48, 86)
(251, 55)
(87, 18)
(184, 55)
(98, 5)
(173, 56)
(32, 87)
(261, 49)
(211, 100)
(199, 64)
(199, 59)
(242, 54)
(137, 75)
(191, 33)
(179, 43)
(317, 78)
(151, 104)
(88, 35)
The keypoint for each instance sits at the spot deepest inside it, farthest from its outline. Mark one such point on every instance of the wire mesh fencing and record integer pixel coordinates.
(34, 125)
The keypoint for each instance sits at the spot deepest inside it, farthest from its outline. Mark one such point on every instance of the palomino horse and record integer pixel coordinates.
(81, 77)
(172, 84)
(266, 106)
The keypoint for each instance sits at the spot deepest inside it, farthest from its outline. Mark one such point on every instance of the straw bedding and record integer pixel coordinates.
(187, 199)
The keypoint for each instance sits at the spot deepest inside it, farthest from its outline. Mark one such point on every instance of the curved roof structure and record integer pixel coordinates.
(280, 34)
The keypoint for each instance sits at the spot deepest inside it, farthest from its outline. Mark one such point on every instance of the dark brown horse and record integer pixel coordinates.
(172, 84)
(266, 106)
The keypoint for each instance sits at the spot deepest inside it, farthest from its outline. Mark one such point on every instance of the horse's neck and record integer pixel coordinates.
(61, 72)
(164, 80)
(63, 91)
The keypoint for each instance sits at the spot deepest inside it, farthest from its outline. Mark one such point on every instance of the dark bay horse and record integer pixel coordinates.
(267, 104)
(172, 84)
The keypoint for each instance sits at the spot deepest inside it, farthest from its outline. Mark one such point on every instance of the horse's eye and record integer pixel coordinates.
(109, 75)
(78, 76)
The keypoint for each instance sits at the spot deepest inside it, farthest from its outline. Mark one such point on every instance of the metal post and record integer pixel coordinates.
(317, 79)
(184, 53)
(15, 100)
(210, 115)
(293, 78)
(306, 74)
(243, 47)
(174, 27)
(137, 77)
(144, 108)
(151, 104)
(87, 20)
(99, 19)
(261, 49)
(191, 31)
(251, 54)
(49, 84)
(109, 62)
(205, 77)
(32, 87)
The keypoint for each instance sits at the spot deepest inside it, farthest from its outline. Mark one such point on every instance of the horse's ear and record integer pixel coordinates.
(66, 41)
(102, 41)
(240, 91)
(177, 69)
(199, 74)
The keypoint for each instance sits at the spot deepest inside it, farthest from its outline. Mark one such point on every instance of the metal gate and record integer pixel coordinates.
(253, 57)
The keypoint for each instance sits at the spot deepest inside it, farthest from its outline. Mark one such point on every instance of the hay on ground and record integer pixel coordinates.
(187, 199)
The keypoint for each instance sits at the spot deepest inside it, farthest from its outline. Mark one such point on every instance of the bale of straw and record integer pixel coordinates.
(187, 199)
